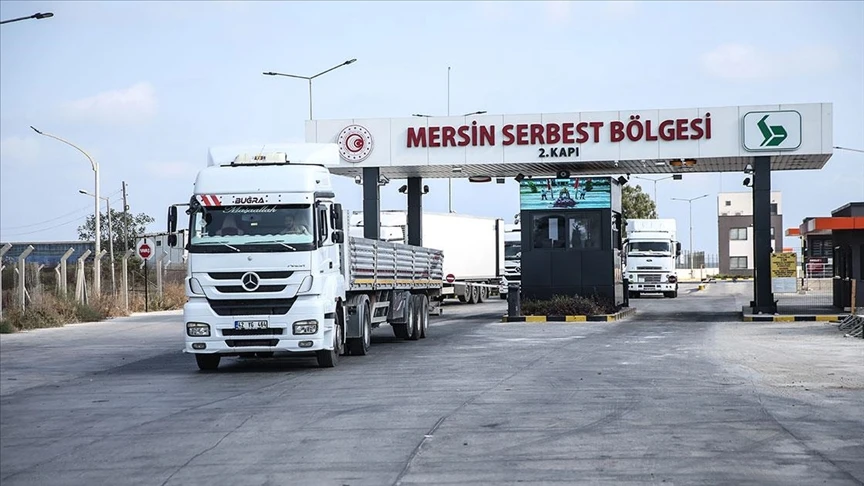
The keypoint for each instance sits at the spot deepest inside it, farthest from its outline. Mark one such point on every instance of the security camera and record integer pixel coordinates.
(563, 174)
(403, 189)
(358, 180)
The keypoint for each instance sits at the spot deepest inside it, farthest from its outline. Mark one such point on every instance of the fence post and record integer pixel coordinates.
(79, 277)
(3, 251)
(159, 272)
(21, 268)
(59, 286)
(39, 280)
(62, 270)
(125, 279)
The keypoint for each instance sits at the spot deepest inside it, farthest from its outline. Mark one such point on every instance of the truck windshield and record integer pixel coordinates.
(649, 246)
(229, 228)
(512, 250)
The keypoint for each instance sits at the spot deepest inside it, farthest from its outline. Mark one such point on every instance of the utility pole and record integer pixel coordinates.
(125, 221)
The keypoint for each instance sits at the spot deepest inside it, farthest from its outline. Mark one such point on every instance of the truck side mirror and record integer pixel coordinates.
(172, 226)
(338, 236)
(677, 249)
(336, 216)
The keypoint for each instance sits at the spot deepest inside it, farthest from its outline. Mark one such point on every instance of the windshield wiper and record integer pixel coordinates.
(288, 246)
(232, 247)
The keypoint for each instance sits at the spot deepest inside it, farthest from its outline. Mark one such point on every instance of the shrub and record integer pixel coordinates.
(565, 305)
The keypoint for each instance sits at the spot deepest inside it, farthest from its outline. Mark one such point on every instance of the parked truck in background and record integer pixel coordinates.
(270, 269)
(473, 249)
(651, 249)
(512, 258)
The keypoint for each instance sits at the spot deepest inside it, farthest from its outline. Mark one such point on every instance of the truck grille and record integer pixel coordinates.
(651, 278)
(649, 268)
(251, 307)
(238, 289)
(239, 275)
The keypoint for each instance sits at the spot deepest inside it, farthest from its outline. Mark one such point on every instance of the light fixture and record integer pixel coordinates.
(456, 169)
(519, 177)
(563, 174)
(622, 180)
(425, 189)
(747, 182)
(358, 180)
(659, 163)
(499, 180)
(479, 179)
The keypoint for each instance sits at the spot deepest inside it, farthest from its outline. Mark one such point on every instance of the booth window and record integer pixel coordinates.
(549, 232)
(585, 232)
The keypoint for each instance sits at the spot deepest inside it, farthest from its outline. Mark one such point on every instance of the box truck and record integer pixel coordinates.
(651, 250)
(270, 269)
(473, 249)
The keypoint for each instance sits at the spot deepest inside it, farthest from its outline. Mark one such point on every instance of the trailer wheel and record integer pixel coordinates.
(473, 294)
(360, 346)
(416, 304)
(483, 294)
(207, 362)
(403, 331)
(424, 317)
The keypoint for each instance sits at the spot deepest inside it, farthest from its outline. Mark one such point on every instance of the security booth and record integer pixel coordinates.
(571, 237)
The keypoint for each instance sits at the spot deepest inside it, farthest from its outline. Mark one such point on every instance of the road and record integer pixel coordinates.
(681, 393)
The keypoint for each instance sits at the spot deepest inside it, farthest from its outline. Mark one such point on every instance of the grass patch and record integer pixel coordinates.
(49, 310)
(565, 305)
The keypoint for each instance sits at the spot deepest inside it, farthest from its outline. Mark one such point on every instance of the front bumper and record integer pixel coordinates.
(652, 287)
(279, 337)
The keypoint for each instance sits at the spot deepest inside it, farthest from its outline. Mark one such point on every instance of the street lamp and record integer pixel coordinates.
(97, 266)
(690, 202)
(110, 238)
(37, 16)
(676, 177)
(310, 78)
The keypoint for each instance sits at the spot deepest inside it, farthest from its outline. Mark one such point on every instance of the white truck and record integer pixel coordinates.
(271, 271)
(473, 249)
(512, 258)
(651, 250)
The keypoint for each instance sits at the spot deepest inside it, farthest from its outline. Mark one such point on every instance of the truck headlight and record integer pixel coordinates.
(306, 327)
(673, 279)
(197, 329)
(195, 286)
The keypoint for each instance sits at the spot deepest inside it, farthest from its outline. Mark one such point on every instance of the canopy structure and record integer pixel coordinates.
(752, 139)
(718, 139)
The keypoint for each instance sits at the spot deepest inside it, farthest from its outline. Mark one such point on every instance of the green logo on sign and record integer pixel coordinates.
(774, 135)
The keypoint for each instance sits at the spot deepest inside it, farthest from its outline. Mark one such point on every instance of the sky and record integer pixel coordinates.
(147, 87)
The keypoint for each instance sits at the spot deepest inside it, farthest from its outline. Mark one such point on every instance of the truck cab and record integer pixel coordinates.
(512, 258)
(264, 269)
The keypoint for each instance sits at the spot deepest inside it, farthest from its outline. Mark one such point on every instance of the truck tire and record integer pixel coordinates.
(424, 317)
(671, 295)
(482, 294)
(403, 331)
(329, 358)
(207, 362)
(360, 346)
(473, 294)
(416, 305)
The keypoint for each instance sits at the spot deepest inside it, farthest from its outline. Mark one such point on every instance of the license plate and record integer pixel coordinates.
(251, 325)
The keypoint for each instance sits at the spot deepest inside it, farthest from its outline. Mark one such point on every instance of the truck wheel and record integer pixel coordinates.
(424, 317)
(503, 296)
(207, 362)
(416, 304)
(360, 346)
(473, 294)
(329, 358)
(482, 294)
(671, 295)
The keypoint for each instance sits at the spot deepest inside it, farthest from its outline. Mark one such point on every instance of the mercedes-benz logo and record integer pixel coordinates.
(250, 281)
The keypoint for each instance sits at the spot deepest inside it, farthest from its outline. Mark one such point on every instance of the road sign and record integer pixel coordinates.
(784, 273)
(771, 131)
(145, 248)
(450, 278)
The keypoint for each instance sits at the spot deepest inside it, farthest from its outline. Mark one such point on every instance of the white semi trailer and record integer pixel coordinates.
(473, 249)
(270, 269)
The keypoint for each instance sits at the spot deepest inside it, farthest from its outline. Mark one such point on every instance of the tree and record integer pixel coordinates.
(137, 226)
(636, 204)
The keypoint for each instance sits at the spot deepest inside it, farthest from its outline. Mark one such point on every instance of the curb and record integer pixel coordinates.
(821, 317)
(598, 318)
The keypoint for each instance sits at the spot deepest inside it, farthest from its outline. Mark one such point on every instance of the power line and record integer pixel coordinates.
(79, 218)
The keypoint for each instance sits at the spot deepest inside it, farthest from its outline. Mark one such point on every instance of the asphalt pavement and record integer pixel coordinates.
(669, 396)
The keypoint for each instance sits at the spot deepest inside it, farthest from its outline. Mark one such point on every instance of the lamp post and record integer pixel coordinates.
(37, 16)
(110, 238)
(421, 115)
(310, 78)
(690, 203)
(675, 177)
(97, 265)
